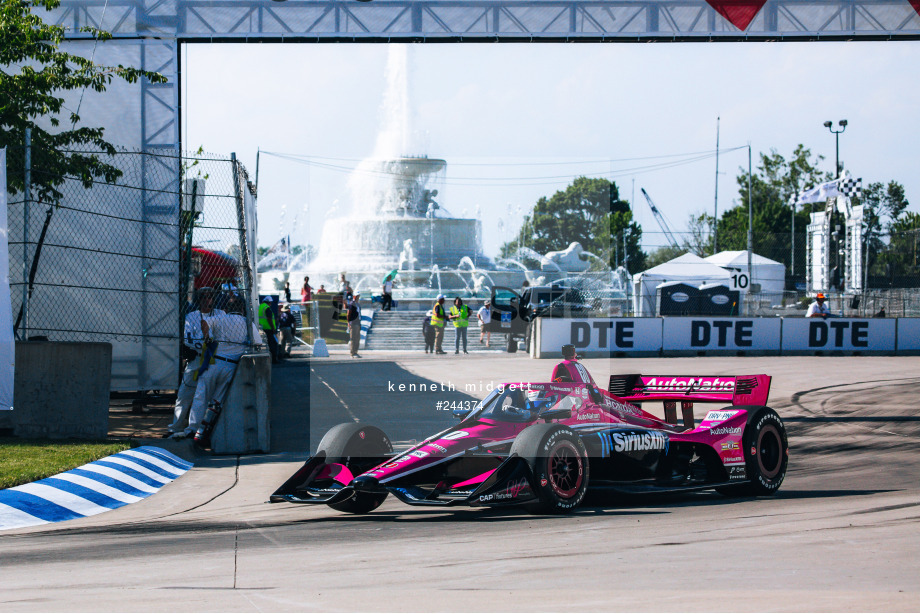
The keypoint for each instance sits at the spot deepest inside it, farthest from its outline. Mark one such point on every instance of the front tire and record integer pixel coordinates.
(359, 447)
(558, 461)
(766, 454)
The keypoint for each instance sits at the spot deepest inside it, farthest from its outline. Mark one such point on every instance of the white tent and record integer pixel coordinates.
(689, 268)
(770, 274)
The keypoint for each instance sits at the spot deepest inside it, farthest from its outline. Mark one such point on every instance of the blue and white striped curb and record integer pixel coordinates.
(97, 487)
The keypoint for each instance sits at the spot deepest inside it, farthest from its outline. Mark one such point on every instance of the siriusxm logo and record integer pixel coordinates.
(637, 442)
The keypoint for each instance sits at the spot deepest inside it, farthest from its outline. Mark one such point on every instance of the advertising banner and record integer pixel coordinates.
(838, 335)
(600, 335)
(756, 335)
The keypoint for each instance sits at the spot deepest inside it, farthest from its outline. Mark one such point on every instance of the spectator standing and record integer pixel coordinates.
(460, 317)
(387, 294)
(438, 319)
(269, 326)
(819, 308)
(322, 289)
(354, 325)
(484, 315)
(196, 353)
(287, 324)
(306, 292)
(428, 331)
(287, 292)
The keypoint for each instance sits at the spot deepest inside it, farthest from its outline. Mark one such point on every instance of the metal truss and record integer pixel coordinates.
(488, 20)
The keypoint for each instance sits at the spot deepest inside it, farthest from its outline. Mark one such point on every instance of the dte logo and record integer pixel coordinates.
(819, 334)
(701, 333)
(622, 334)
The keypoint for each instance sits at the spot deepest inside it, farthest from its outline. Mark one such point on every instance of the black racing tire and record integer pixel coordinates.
(766, 454)
(558, 461)
(359, 447)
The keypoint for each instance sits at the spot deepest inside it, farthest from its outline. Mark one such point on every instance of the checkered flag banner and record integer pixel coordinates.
(850, 187)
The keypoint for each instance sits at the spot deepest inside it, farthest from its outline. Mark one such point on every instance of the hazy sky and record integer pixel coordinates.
(519, 121)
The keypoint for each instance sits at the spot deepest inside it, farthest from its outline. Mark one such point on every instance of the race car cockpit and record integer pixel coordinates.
(513, 404)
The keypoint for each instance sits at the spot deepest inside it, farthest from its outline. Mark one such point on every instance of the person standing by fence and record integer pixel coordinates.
(229, 332)
(286, 323)
(306, 292)
(460, 316)
(428, 331)
(484, 315)
(268, 325)
(354, 325)
(196, 353)
(438, 319)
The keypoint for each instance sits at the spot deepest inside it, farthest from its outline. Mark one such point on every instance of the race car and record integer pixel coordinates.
(544, 445)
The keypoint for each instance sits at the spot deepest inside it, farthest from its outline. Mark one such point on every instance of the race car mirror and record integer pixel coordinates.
(461, 412)
(555, 414)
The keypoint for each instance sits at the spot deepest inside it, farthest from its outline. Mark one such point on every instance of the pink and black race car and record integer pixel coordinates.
(543, 445)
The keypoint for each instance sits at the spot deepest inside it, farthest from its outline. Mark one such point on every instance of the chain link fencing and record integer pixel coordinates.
(888, 272)
(119, 263)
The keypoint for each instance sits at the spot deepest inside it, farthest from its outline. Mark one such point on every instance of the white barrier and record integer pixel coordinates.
(742, 336)
(909, 335)
(811, 335)
(633, 336)
(714, 335)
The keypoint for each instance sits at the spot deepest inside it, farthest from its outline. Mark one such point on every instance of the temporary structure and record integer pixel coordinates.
(689, 268)
(770, 275)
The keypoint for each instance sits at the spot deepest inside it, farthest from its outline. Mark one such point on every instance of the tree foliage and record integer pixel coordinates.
(775, 181)
(588, 211)
(34, 74)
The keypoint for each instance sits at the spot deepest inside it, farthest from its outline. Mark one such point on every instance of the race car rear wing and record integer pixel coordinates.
(736, 390)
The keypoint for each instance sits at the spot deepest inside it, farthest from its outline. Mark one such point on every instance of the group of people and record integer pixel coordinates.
(459, 315)
(213, 342)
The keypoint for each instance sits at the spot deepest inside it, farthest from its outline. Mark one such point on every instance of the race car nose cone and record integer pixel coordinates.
(365, 483)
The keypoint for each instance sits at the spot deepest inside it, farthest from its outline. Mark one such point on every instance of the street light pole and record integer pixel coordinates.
(830, 126)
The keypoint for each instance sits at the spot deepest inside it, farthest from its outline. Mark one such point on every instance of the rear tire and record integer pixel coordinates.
(558, 461)
(766, 454)
(359, 447)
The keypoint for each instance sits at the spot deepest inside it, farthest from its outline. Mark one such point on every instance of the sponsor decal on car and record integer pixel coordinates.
(726, 430)
(733, 459)
(719, 416)
(682, 384)
(730, 445)
(441, 449)
(419, 454)
(737, 472)
(512, 491)
(595, 416)
(638, 442)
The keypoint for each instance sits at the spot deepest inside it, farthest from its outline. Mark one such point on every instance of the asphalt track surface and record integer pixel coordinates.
(842, 534)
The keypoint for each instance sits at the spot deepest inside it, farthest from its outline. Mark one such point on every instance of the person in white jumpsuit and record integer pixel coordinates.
(230, 332)
(193, 338)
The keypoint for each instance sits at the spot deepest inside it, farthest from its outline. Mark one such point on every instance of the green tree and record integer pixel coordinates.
(698, 238)
(773, 184)
(879, 202)
(34, 72)
(589, 211)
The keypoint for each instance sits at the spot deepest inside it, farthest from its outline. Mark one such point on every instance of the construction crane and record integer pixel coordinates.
(660, 219)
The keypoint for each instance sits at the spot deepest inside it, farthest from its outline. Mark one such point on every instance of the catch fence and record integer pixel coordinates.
(119, 262)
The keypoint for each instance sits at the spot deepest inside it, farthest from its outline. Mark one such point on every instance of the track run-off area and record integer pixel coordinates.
(842, 533)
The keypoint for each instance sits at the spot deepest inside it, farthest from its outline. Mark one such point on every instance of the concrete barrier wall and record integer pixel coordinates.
(61, 390)
(598, 337)
(243, 426)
